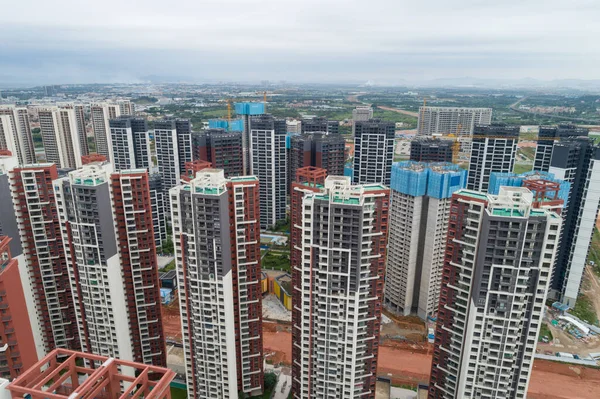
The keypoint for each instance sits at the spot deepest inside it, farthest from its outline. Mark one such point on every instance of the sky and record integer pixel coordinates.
(316, 41)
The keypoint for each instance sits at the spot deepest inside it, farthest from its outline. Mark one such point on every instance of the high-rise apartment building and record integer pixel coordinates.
(8, 218)
(126, 107)
(338, 241)
(159, 210)
(247, 111)
(431, 150)
(547, 137)
(269, 164)
(39, 229)
(18, 351)
(373, 151)
(111, 257)
(577, 161)
(173, 139)
(15, 133)
(499, 258)
(100, 116)
(222, 149)
(60, 136)
(81, 129)
(419, 214)
(458, 121)
(494, 150)
(319, 125)
(319, 149)
(362, 114)
(130, 140)
(216, 231)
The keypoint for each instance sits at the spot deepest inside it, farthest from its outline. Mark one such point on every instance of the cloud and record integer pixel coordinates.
(308, 40)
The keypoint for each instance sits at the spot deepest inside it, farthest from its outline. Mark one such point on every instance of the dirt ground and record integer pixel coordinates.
(172, 321)
(409, 328)
(409, 366)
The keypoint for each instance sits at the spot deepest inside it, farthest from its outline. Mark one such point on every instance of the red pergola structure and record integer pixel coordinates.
(5, 153)
(66, 374)
(192, 167)
(545, 193)
(311, 175)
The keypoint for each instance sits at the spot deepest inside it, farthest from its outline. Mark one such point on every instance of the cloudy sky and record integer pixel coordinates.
(385, 41)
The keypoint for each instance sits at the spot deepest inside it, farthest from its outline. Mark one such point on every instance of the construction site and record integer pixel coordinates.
(405, 354)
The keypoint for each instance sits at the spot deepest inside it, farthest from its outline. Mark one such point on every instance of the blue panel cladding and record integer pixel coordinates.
(288, 140)
(498, 180)
(408, 181)
(348, 171)
(217, 124)
(236, 125)
(249, 108)
(442, 184)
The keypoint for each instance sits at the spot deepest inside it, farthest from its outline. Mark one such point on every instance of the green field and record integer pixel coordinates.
(584, 309)
(522, 168)
(277, 261)
(178, 393)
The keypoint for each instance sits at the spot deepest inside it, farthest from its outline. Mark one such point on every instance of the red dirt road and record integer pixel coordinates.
(549, 380)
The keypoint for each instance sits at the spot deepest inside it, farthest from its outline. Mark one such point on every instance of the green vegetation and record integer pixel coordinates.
(91, 144)
(545, 332)
(167, 246)
(270, 383)
(405, 386)
(584, 309)
(178, 393)
(145, 100)
(277, 261)
(36, 133)
(522, 168)
(594, 255)
(170, 266)
(282, 226)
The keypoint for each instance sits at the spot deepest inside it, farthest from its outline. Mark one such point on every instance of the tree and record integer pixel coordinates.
(270, 381)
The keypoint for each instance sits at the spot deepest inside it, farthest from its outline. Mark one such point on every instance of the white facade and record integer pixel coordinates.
(494, 299)
(586, 222)
(60, 135)
(490, 155)
(205, 269)
(335, 292)
(15, 133)
(100, 116)
(268, 161)
(93, 262)
(167, 156)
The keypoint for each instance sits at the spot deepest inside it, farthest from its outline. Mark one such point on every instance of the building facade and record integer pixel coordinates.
(373, 151)
(100, 115)
(431, 150)
(216, 231)
(112, 262)
(34, 203)
(338, 241)
(81, 129)
(577, 161)
(457, 121)
(15, 133)
(247, 111)
(497, 268)
(322, 150)
(494, 150)
(18, 350)
(419, 214)
(130, 141)
(319, 125)
(547, 137)
(269, 164)
(173, 138)
(60, 136)
(222, 149)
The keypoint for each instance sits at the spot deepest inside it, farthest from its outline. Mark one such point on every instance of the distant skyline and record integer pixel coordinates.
(387, 42)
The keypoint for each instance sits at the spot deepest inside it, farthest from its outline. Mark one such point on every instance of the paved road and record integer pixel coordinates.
(284, 381)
